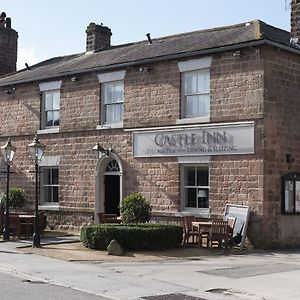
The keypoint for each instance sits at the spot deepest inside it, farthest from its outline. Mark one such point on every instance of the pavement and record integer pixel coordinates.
(179, 274)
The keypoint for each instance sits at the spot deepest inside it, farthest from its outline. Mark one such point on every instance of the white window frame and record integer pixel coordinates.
(197, 210)
(106, 79)
(43, 185)
(194, 66)
(114, 104)
(45, 111)
(49, 88)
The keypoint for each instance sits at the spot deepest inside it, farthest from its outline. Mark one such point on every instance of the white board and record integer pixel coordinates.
(241, 213)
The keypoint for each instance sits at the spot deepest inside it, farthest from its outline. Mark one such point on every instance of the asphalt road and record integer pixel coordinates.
(18, 288)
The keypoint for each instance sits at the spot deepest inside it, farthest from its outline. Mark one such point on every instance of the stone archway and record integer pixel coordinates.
(109, 185)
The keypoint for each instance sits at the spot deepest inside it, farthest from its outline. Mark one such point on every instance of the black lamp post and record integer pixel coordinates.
(36, 149)
(8, 152)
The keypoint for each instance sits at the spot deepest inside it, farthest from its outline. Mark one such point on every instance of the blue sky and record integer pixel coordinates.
(57, 27)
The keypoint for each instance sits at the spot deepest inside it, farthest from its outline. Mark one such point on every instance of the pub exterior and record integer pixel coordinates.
(192, 121)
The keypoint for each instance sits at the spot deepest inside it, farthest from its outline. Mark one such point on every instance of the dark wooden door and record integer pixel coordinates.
(112, 194)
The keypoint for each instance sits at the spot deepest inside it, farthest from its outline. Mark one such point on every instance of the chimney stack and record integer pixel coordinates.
(97, 37)
(8, 46)
(295, 19)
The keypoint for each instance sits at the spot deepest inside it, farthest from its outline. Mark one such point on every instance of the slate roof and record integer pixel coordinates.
(180, 45)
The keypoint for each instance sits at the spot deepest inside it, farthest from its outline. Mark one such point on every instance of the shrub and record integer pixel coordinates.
(135, 209)
(16, 198)
(132, 236)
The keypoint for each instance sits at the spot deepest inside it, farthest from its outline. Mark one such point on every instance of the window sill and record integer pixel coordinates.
(199, 213)
(49, 207)
(110, 126)
(48, 130)
(193, 120)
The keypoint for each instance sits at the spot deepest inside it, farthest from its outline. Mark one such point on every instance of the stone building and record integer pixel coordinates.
(191, 121)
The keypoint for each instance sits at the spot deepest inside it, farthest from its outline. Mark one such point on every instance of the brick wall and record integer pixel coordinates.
(281, 136)
(152, 98)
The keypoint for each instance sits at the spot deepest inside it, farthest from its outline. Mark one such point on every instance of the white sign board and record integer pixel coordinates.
(241, 213)
(194, 141)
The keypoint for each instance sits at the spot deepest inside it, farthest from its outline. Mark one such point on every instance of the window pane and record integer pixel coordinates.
(203, 82)
(289, 196)
(190, 197)
(190, 84)
(203, 105)
(48, 101)
(118, 92)
(108, 93)
(47, 194)
(54, 176)
(189, 176)
(49, 118)
(191, 105)
(56, 100)
(56, 118)
(118, 115)
(202, 198)
(55, 194)
(202, 177)
(109, 114)
(297, 200)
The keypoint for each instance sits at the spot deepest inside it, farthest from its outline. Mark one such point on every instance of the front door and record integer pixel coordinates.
(112, 194)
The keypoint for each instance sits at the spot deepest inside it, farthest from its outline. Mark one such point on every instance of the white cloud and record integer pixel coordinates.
(27, 55)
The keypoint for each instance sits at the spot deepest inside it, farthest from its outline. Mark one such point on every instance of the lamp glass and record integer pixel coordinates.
(8, 151)
(201, 194)
(98, 151)
(36, 149)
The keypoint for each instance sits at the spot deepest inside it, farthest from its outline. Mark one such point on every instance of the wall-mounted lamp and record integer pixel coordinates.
(289, 158)
(145, 69)
(238, 53)
(10, 91)
(74, 78)
(99, 151)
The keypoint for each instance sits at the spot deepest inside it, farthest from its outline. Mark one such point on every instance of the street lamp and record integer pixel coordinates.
(8, 152)
(36, 150)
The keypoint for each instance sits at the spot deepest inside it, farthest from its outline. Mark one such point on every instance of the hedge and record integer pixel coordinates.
(132, 236)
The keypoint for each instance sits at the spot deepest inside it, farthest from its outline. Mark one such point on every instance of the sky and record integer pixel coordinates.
(54, 28)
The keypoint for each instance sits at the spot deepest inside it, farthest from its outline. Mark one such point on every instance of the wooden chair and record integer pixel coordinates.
(189, 231)
(219, 233)
(231, 223)
(14, 225)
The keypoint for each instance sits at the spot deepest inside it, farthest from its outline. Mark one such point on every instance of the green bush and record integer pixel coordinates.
(16, 198)
(135, 209)
(132, 236)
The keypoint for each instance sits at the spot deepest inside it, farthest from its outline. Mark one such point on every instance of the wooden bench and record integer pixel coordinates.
(108, 218)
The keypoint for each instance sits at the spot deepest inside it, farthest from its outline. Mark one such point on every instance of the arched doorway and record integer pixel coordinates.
(112, 188)
(108, 177)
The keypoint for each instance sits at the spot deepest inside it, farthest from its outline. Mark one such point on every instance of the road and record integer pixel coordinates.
(20, 288)
(252, 276)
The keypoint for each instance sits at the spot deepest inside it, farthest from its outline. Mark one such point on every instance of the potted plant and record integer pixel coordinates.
(17, 198)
